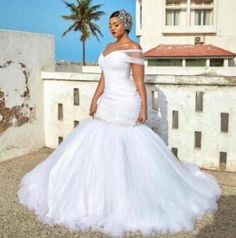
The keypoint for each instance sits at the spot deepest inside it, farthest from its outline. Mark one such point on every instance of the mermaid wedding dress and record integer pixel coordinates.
(114, 175)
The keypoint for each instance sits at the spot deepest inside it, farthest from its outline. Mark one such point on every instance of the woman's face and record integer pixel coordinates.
(116, 27)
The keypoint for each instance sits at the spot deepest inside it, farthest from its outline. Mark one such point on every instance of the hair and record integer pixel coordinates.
(116, 14)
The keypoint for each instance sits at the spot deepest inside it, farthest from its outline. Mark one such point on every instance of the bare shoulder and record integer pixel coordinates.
(134, 45)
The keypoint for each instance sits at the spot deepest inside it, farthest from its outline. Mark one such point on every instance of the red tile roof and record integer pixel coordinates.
(188, 50)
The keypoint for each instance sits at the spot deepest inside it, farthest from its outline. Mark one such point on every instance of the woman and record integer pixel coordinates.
(113, 173)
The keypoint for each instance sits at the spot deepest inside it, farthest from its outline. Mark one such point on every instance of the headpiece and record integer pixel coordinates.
(126, 19)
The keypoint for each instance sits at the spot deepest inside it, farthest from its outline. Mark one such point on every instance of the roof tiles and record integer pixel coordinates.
(188, 50)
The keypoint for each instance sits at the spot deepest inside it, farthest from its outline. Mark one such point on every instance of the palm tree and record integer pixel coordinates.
(84, 15)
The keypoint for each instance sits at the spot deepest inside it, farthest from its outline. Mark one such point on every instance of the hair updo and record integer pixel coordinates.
(125, 18)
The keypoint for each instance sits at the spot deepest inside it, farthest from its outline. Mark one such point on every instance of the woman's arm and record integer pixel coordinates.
(97, 94)
(138, 76)
(99, 89)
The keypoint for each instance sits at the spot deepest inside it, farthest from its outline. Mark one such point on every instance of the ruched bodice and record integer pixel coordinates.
(120, 102)
(116, 69)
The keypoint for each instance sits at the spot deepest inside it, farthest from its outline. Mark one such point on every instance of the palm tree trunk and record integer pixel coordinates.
(83, 52)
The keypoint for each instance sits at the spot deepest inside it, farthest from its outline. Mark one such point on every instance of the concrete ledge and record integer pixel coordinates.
(69, 76)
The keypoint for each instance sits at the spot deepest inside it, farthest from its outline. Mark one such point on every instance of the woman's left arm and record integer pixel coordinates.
(138, 76)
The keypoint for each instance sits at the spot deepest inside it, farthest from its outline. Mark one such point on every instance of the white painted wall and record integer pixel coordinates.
(23, 56)
(175, 92)
(59, 88)
(178, 93)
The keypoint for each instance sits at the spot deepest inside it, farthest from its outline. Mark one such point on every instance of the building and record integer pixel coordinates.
(186, 55)
(186, 22)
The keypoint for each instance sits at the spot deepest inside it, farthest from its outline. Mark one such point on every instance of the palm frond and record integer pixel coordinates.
(95, 30)
(70, 28)
(71, 6)
(70, 17)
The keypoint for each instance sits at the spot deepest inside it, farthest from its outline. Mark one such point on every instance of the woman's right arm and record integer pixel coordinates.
(100, 88)
(97, 94)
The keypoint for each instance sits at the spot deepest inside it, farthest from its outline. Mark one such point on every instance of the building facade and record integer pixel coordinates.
(186, 22)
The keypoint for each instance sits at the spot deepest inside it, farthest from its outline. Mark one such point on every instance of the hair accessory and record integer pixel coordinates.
(126, 19)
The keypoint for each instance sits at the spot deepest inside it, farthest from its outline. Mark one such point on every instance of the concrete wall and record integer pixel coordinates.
(173, 92)
(179, 93)
(23, 56)
(59, 89)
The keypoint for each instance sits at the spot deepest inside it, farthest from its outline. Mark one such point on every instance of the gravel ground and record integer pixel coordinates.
(17, 221)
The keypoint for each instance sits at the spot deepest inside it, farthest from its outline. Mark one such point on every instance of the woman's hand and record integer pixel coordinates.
(93, 108)
(142, 116)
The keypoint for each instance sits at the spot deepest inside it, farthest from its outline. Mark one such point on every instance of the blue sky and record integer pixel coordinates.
(44, 16)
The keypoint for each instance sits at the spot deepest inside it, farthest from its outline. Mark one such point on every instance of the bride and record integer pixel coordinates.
(112, 173)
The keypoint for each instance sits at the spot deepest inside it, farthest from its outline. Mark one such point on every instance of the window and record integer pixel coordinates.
(76, 96)
(224, 122)
(164, 62)
(197, 139)
(176, 12)
(196, 62)
(202, 17)
(175, 119)
(201, 12)
(199, 102)
(216, 62)
(76, 123)
(60, 139)
(223, 160)
(154, 100)
(189, 13)
(172, 17)
(60, 111)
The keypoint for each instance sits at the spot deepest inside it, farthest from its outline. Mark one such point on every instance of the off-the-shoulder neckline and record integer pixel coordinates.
(124, 50)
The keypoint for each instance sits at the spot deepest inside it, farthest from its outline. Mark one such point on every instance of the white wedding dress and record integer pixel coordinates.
(114, 175)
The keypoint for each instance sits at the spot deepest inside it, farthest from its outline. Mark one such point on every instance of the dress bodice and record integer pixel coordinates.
(120, 102)
(116, 67)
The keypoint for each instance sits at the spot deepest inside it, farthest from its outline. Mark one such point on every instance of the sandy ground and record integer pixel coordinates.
(16, 221)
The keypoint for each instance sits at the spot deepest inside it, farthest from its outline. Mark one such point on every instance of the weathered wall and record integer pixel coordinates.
(23, 56)
(178, 93)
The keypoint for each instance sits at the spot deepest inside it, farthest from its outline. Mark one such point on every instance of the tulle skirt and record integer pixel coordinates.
(116, 179)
